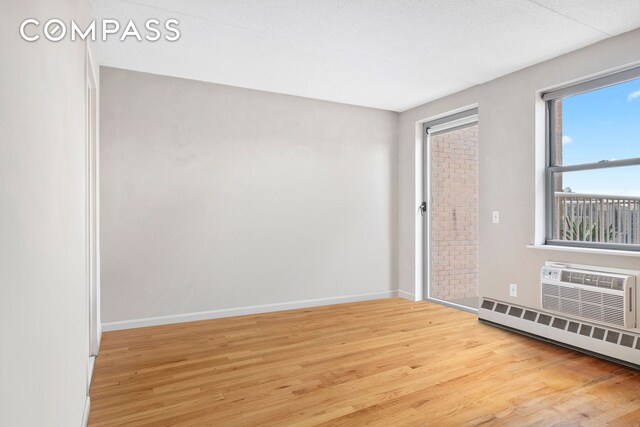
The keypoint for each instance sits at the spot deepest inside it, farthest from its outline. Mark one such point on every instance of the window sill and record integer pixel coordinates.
(596, 251)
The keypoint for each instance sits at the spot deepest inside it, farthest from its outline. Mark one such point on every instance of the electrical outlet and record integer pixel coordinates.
(513, 290)
(496, 217)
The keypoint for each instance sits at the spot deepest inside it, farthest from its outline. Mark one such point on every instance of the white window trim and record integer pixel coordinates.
(577, 249)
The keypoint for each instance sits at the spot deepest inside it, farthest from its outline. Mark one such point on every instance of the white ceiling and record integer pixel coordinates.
(390, 54)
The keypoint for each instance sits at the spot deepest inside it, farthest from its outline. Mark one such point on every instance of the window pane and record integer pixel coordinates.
(603, 124)
(600, 205)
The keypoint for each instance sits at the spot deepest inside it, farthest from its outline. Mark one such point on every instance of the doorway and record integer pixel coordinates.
(451, 210)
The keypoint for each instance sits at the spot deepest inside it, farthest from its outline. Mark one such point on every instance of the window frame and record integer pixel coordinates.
(551, 168)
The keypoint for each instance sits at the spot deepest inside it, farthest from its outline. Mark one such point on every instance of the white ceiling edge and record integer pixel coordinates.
(356, 57)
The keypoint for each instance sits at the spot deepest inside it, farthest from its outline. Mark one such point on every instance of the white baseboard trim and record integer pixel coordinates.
(406, 295)
(90, 367)
(240, 311)
(85, 415)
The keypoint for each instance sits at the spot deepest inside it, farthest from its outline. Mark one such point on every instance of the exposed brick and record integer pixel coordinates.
(454, 213)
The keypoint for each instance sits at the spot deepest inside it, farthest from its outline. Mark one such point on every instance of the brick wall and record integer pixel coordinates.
(454, 214)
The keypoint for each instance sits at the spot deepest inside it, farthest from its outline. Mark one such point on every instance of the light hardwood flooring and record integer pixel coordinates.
(387, 362)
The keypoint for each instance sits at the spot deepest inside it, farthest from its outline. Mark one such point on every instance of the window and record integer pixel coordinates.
(593, 170)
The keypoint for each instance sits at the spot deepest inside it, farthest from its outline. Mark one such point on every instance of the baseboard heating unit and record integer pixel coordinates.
(586, 308)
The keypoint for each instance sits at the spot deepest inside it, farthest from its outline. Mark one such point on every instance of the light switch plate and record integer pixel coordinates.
(496, 217)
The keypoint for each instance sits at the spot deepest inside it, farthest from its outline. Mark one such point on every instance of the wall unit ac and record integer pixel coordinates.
(595, 296)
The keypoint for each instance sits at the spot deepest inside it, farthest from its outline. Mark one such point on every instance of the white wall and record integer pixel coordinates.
(509, 130)
(215, 197)
(43, 278)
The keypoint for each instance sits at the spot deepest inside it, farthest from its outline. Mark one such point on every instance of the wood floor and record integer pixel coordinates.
(387, 362)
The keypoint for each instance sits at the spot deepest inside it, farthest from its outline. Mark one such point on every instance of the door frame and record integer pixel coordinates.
(445, 123)
(91, 206)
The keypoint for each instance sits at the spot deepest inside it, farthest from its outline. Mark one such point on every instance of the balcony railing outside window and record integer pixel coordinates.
(597, 218)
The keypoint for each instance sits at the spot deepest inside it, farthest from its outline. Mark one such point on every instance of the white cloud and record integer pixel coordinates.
(633, 95)
(566, 139)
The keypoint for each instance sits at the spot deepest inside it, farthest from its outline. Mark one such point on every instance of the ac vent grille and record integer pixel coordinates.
(590, 279)
(570, 325)
(597, 306)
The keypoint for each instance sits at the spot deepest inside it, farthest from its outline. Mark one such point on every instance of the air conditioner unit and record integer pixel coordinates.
(592, 295)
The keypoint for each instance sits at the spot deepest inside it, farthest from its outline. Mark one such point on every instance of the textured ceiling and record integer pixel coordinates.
(391, 54)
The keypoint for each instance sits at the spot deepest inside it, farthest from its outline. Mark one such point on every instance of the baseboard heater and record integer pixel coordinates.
(587, 310)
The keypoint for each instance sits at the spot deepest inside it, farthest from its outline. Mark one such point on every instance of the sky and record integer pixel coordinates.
(603, 125)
